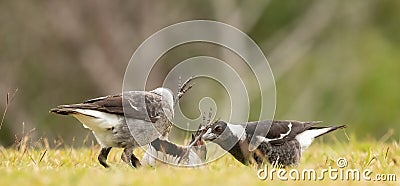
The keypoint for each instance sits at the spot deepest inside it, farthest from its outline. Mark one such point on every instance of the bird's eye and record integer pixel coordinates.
(218, 129)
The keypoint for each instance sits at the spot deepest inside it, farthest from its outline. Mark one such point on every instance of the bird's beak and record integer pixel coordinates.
(208, 136)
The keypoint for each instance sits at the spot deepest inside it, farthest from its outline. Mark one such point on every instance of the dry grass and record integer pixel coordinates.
(9, 98)
(36, 164)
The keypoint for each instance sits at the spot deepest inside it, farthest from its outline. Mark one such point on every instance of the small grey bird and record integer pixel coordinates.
(283, 143)
(104, 116)
(167, 152)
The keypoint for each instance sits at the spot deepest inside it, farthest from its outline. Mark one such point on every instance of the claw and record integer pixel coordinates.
(185, 86)
(129, 158)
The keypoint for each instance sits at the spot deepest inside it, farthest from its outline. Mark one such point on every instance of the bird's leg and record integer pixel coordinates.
(135, 161)
(126, 154)
(103, 156)
(129, 158)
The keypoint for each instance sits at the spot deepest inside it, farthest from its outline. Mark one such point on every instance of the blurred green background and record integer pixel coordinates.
(336, 61)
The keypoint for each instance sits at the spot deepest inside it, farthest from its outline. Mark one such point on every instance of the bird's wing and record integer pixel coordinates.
(170, 152)
(109, 104)
(278, 131)
(140, 105)
(147, 106)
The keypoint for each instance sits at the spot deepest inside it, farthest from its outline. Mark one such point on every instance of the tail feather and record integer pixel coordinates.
(330, 129)
(66, 109)
(310, 124)
(307, 137)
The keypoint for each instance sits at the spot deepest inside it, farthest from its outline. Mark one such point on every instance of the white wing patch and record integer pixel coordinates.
(307, 137)
(148, 159)
(281, 136)
(151, 156)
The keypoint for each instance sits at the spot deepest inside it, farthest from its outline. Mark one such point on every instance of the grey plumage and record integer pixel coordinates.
(283, 143)
(146, 116)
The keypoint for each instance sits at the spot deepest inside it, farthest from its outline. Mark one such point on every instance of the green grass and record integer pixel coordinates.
(78, 166)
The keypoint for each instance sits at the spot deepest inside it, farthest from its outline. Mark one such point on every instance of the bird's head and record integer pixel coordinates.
(224, 134)
(215, 130)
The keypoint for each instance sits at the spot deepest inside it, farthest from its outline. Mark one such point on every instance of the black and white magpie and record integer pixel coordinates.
(283, 143)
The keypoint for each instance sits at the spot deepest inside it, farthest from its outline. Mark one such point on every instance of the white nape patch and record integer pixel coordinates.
(307, 137)
(95, 120)
(237, 130)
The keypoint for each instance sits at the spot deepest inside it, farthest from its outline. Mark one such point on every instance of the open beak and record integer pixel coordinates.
(209, 136)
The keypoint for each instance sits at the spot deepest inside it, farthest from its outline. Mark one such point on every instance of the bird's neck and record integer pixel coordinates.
(237, 152)
(236, 147)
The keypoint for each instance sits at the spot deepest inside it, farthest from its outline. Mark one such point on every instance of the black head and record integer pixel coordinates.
(214, 130)
(222, 134)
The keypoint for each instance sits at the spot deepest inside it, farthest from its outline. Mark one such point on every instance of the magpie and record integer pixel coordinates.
(283, 144)
(104, 116)
(112, 118)
(164, 151)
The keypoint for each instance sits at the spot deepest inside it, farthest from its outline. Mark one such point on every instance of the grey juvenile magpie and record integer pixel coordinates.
(104, 116)
(283, 143)
(107, 118)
